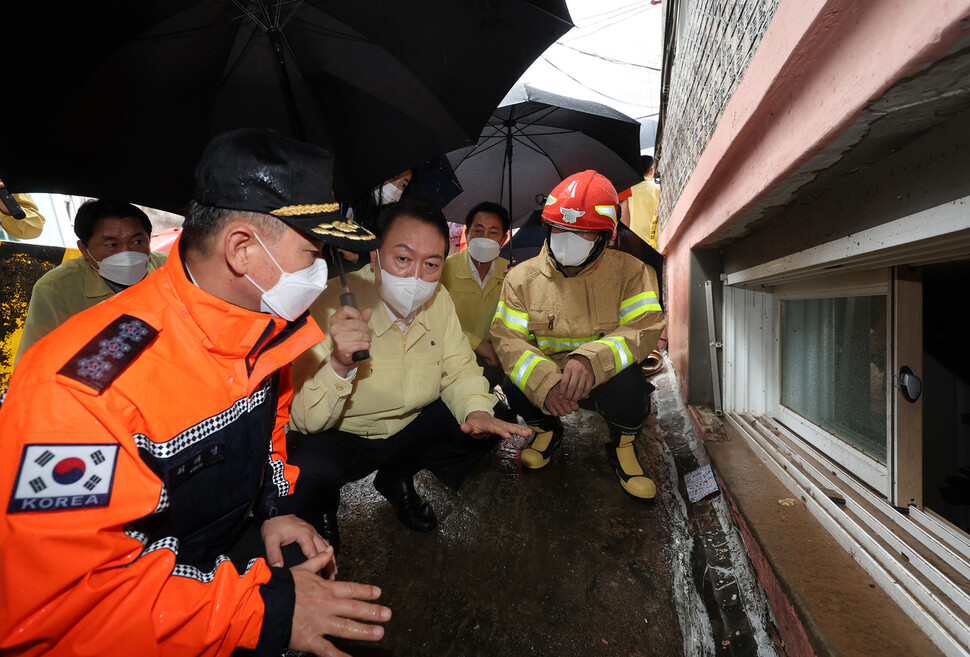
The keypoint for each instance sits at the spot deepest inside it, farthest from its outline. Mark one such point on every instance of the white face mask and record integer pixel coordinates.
(404, 295)
(294, 292)
(483, 249)
(389, 193)
(125, 268)
(569, 249)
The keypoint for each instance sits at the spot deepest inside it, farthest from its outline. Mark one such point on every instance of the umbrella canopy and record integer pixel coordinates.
(528, 242)
(118, 98)
(436, 181)
(648, 134)
(534, 140)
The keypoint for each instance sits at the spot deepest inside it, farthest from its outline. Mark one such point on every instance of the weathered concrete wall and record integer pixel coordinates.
(713, 50)
(817, 67)
(927, 172)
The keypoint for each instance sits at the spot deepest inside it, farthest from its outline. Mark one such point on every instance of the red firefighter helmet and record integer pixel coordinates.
(583, 201)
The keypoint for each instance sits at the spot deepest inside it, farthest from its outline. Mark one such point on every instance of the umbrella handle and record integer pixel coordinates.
(13, 208)
(348, 299)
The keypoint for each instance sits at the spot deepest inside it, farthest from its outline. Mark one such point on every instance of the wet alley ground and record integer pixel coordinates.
(561, 561)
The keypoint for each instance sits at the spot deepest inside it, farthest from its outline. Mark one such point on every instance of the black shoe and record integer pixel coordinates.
(411, 510)
(327, 526)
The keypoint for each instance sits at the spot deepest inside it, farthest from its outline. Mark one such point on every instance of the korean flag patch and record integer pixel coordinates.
(62, 477)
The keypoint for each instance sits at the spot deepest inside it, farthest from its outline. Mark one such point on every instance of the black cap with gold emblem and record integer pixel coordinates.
(258, 170)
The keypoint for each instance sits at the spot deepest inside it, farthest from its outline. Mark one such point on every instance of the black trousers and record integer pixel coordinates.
(492, 373)
(623, 400)
(330, 459)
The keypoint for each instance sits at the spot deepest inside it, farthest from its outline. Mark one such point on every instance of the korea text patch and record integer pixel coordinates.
(62, 477)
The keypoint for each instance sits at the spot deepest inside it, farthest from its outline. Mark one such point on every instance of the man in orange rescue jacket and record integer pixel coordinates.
(143, 437)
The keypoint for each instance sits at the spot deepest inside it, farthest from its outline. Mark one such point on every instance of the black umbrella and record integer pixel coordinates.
(118, 98)
(528, 242)
(436, 181)
(534, 140)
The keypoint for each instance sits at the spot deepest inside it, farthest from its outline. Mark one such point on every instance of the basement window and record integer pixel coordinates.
(833, 367)
(833, 359)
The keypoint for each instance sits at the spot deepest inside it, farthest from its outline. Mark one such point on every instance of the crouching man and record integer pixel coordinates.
(144, 438)
(418, 402)
(573, 323)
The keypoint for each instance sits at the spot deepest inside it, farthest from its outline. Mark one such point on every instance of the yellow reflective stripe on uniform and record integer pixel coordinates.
(635, 306)
(524, 366)
(621, 353)
(514, 319)
(561, 344)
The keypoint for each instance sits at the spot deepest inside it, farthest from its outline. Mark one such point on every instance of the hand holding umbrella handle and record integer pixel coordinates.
(348, 299)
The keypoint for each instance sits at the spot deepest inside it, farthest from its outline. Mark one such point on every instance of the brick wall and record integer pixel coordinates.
(715, 42)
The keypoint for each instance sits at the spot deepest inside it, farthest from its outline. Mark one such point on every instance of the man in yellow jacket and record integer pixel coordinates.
(114, 239)
(638, 205)
(572, 326)
(419, 401)
(474, 279)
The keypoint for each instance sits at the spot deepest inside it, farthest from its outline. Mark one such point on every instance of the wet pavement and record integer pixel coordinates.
(561, 561)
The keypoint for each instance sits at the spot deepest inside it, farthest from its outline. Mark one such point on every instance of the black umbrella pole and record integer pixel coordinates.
(508, 157)
(348, 299)
(276, 40)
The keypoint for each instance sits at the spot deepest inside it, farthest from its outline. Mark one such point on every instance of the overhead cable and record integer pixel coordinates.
(607, 59)
(586, 86)
(580, 33)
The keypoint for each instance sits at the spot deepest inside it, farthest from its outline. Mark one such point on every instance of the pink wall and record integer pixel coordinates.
(817, 66)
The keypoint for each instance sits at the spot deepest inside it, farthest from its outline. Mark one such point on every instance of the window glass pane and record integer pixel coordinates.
(834, 367)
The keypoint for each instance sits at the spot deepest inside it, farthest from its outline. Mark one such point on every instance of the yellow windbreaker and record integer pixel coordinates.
(27, 228)
(405, 371)
(610, 313)
(63, 292)
(475, 305)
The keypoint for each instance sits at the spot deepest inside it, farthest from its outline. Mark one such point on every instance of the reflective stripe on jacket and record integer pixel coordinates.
(609, 313)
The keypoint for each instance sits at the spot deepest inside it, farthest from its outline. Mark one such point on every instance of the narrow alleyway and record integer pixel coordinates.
(560, 561)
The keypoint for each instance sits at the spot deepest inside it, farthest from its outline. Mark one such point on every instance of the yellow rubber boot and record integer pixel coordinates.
(623, 455)
(542, 445)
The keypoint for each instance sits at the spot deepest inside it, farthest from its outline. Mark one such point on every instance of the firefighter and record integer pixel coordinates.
(572, 326)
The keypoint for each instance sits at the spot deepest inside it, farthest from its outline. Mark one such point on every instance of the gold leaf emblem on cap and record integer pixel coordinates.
(299, 210)
(346, 229)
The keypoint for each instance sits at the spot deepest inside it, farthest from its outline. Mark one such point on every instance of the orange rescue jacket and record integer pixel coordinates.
(137, 439)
